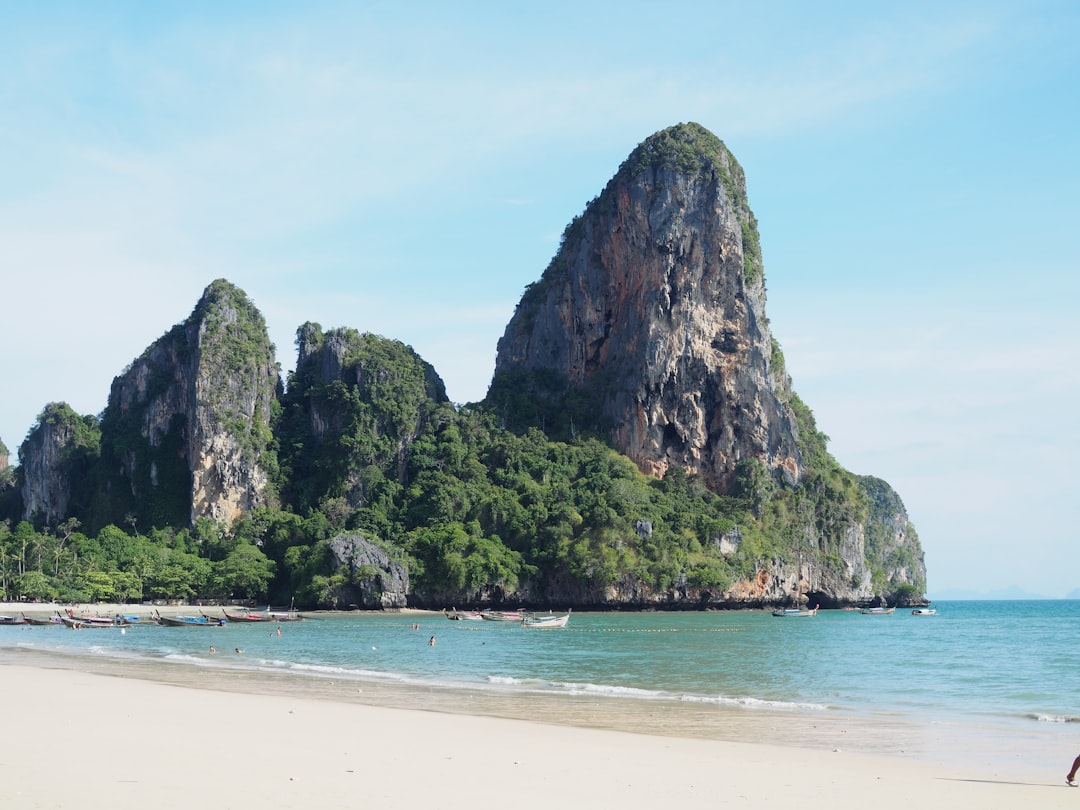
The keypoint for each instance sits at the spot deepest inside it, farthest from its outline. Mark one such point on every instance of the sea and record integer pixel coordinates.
(986, 684)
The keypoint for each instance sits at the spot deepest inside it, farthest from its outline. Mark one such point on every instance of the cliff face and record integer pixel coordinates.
(55, 460)
(354, 405)
(651, 317)
(653, 312)
(188, 423)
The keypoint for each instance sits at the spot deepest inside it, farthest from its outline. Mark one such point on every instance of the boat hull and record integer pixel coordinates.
(191, 621)
(545, 622)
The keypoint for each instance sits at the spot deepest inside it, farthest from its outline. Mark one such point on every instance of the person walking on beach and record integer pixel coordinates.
(1070, 779)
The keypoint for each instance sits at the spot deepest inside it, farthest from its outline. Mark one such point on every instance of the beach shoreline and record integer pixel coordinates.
(97, 741)
(935, 755)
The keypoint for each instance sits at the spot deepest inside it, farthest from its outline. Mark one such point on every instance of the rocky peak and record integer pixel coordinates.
(189, 421)
(649, 324)
(55, 459)
(355, 404)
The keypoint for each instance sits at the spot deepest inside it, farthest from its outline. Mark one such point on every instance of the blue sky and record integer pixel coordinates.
(407, 169)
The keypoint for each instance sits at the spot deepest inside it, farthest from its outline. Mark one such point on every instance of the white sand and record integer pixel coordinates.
(76, 740)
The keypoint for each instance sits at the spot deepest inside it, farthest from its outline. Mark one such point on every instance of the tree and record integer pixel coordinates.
(99, 586)
(245, 573)
(34, 586)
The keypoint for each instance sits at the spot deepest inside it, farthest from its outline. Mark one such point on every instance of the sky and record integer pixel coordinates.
(407, 169)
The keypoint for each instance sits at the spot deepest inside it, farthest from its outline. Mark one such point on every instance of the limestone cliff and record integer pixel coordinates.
(187, 426)
(354, 405)
(3, 456)
(652, 316)
(55, 459)
(649, 328)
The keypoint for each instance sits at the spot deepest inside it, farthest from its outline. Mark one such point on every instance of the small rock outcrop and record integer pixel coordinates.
(652, 317)
(373, 578)
(188, 423)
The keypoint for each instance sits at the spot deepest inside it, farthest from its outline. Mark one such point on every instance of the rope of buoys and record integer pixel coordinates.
(659, 630)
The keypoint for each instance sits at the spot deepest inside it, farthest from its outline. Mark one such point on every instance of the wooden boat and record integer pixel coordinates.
(263, 616)
(924, 612)
(12, 620)
(134, 618)
(877, 611)
(253, 616)
(43, 621)
(456, 615)
(192, 621)
(89, 622)
(794, 613)
(502, 615)
(545, 622)
(284, 616)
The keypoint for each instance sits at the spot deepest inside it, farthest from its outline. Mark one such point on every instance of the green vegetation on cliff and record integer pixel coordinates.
(481, 513)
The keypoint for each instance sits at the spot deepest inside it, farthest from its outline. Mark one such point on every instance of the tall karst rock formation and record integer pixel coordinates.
(649, 324)
(187, 427)
(57, 460)
(648, 328)
(354, 405)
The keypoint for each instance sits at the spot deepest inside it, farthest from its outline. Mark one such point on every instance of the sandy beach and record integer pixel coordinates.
(128, 738)
(92, 741)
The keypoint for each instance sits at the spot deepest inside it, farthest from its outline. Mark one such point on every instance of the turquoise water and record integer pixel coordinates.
(972, 662)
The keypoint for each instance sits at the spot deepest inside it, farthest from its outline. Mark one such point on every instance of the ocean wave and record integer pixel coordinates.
(186, 658)
(504, 680)
(636, 693)
(605, 690)
(331, 670)
(757, 703)
(1054, 718)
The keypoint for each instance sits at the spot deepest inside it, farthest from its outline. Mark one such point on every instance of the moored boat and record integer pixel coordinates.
(191, 621)
(284, 616)
(877, 611)
(89, 622)
(263, 616)
(12, 620)
(252, 616)
(502, 615)
(924, 612)
(134, 618)
(43, 621)
(545, 622)
(456, 615)
(794, 613)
